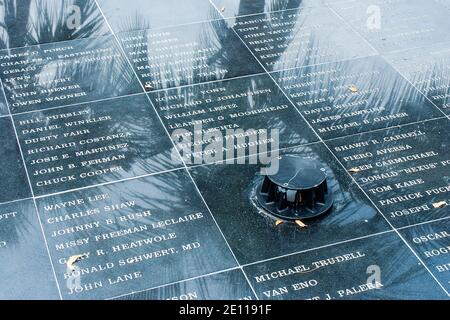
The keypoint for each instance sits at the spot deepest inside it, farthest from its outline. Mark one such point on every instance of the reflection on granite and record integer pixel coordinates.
(29, 22)
(354, 96)
(249, 104)
(405, 170)
(25, 270)
(152, 14)
(432, 242)
(254, 236)
(58, 74)
(381, 267)
(3, 105)
(428, 68)
(137, 234)
(13, 182)
(233, 8)
(230, 285)
(178, 56)
(93, 143)
(396, 25)
(300, 37)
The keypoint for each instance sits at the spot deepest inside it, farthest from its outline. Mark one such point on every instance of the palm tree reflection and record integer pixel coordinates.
(28, 22)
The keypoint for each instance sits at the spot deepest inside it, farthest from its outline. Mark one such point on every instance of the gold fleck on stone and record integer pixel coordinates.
(73, 260)
(301, 224)
(353, 88)
(440, 204)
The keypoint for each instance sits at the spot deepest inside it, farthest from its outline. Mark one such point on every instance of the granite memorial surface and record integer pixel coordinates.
(135, 135)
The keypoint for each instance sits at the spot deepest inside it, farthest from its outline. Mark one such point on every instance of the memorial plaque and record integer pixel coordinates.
(14, 184)
(354, 96)
(230, 285)
(396, 25)
(153, 14)
(53, 75)
(232, 8)
(249, 107)
(380, 267)
(28, 22)
(178, 56)
(300, 37)
(428, 68)
(432, 242)
(224, 149)
(246, 226)
(404, 170)
(89, 144)
(25, 269)
(134, 235)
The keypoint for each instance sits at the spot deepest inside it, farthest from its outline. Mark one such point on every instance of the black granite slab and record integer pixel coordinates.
(184, 55)
(253, 104)
(230, 285)
(253, 235)
(149, 232)
(432, 242)
(3, 105)
(428, 68)
(300, 37)
(13, 184)
(403, 24)
(354, 96)
(381, 267)
(233, 8)
(25, 271)
(98, 142)
(153, 14)
(29, 22)
(404, 170)
(58, 74)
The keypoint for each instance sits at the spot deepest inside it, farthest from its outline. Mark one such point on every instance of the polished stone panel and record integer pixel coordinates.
(300, 37)
(58, 74)
(252, 234)
(13, 184)
(98, 142)
(3, 105)
(230, 285)
(381, 267)
(354, 96)
(29, 22)
(432, 242)
(396, 25)
(25, 270)
(404, 170)
(186, 55)
(153, 14)
(252, 104)
(428, 68)
(233, 8)
(137, 234)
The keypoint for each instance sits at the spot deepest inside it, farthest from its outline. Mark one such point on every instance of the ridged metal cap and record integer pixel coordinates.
(299, 190)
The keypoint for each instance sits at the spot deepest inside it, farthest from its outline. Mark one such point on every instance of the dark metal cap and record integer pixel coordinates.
(298, 191)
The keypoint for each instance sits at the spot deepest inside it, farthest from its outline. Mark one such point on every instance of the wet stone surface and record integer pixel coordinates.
(137, 137)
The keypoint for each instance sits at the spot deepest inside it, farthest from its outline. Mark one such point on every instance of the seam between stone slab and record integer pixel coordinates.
(283, 256)
(340, 163)
(383, 57)
(175, 282)
(108, 183)
(181, 158)
(32, 193)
